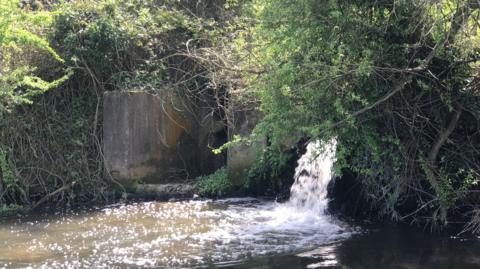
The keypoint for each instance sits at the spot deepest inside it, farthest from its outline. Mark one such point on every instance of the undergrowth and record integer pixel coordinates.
(215, 185)
(50, 145)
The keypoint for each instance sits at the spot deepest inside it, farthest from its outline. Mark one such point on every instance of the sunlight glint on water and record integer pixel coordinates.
(166, 234)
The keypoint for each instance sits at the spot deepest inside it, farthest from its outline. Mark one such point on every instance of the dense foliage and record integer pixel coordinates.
(395, 81)
(18, 41)
(50, 151)
(216, 184)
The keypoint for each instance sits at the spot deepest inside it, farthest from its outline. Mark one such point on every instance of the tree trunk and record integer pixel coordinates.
(432, 157)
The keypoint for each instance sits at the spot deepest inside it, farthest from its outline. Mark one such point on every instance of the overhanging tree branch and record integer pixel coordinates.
(460, 15)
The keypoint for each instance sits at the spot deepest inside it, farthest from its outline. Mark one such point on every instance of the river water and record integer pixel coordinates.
(232, 233)
(229, 233)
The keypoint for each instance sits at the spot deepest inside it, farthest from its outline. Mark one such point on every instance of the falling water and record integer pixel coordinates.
(305, 210)
(182, 234)
(312, 175)
(243, 232)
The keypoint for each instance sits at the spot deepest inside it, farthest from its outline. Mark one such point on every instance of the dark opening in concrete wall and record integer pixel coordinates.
(152, 138)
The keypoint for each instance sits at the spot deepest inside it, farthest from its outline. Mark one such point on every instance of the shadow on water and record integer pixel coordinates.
(222, 234)
(383, 247)
(228, 233)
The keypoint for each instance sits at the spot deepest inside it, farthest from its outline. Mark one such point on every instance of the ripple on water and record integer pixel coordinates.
(168, 234)
(156, 234)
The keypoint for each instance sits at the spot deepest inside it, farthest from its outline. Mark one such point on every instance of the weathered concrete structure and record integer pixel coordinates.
(153, 139)
(241, 158)
(164, 191)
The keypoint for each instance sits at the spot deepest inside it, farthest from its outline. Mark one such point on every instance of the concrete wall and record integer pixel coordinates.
(150, 137)
(242, 157)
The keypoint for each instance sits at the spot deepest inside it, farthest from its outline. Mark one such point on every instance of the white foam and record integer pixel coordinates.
(188, 233)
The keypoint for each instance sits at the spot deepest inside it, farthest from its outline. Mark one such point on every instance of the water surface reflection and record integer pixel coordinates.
(165, 235)
(235, 233)
(386, 247)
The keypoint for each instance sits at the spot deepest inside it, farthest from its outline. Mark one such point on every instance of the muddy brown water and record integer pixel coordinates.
(232, 233)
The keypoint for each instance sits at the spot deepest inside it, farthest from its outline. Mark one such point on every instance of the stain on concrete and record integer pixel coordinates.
(241, 158)
(151, 138)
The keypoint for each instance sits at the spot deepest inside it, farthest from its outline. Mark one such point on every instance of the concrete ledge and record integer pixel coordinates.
(164, 191)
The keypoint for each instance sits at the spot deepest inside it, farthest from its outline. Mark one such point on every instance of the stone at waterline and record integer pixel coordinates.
(165, 191)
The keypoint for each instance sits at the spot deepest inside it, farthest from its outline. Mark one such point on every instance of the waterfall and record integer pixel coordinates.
(312, 175)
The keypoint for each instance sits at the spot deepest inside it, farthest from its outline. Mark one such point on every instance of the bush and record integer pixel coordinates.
(109, 45)
(272, 173)
(215, 185)
(344, 71)
(22, 47)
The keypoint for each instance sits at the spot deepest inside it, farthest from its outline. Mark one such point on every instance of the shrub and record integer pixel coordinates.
(22, 46)
(110, 45)
(215, 185)
(344, 70)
